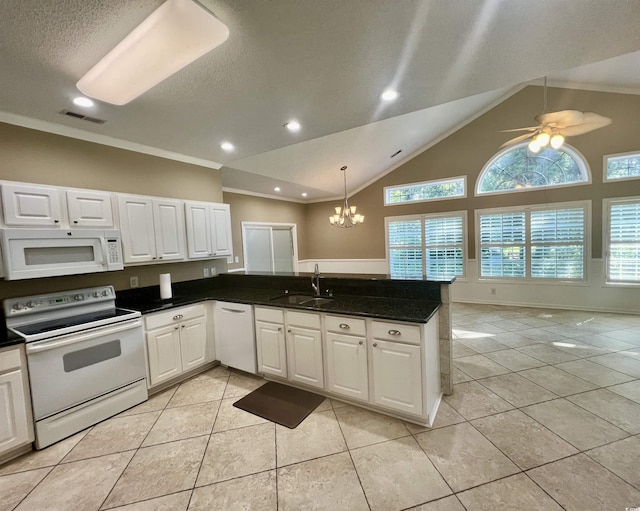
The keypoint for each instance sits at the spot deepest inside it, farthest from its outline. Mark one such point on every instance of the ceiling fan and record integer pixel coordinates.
(553, 127)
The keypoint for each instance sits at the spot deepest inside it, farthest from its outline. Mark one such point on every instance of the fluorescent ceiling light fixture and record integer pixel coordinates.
(227, 146)
(82, 101)
(174, 35)
(293, 126)
(389, 95)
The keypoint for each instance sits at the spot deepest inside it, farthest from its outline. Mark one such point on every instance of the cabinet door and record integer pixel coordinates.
(272, 354)
(193, 342)
(198, 230)
(163, 347)
(168, 221)
(304, 354)
(347, 365)
(136, 223)
(14, 425)
(397, 376)
(220, 216)
(31, 205)
(89, 209)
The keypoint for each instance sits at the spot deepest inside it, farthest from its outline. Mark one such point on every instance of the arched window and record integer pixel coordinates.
(518, 169)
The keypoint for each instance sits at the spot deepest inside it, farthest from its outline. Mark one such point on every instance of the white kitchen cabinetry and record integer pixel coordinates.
(346, 357)
(176, 342)
(208, 230)
(304, 348)
(31, 205)
(396, 358)
(88, 208)
(270, 341)
(152, 229)
(16, 424)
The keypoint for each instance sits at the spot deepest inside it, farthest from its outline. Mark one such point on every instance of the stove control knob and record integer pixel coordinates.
(77, 298)
(96, 294)
(18, 306)
(30, 305)
(105, 292)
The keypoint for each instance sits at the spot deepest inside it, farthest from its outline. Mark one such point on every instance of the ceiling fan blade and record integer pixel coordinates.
(591, 122)
(561, 118)
(517, 139)
(529, 128)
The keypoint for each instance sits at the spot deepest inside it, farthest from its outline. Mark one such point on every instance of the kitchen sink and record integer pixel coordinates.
(301, 300)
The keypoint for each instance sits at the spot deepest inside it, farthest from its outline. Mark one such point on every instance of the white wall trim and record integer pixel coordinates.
(97, 138)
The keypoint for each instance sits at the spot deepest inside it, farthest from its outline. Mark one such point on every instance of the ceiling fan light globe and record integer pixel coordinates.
(557, 140)
(534, 147)
(543, 139)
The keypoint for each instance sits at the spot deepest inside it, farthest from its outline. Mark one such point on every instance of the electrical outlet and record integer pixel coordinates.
(133, 282)
(493, 290)
(214, 271)
(237, 259)
(205, 272)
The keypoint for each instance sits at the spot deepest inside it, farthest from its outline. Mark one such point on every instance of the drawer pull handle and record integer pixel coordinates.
(344, 326)
(394, 332)
(177, 317)
(360, 343)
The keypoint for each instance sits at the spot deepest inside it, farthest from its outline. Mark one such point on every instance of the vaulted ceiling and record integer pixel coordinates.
(321, 62)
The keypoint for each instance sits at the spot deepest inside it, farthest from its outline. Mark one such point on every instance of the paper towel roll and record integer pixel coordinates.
(165, 286)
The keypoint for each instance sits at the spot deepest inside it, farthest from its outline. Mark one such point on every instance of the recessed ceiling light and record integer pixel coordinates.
(227, 146)
(276, 189)
(304, 194)
(389, 95)
(293, 126)
(82, 101)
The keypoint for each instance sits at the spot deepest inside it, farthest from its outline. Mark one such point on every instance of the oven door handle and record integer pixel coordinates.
(67, 340)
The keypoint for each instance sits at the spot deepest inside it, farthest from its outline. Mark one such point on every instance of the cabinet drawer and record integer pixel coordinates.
(9, 360)
(303, 319)
(178, 314)
(345, 325)
(398, 332)
(270, 315)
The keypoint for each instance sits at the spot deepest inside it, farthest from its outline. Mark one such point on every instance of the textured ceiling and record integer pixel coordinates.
(323, 62)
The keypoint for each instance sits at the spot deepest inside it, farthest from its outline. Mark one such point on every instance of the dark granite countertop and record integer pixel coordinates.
(391, 308)
(8, 338)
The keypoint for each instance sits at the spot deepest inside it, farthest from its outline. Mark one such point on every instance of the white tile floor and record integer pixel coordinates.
(545, 415)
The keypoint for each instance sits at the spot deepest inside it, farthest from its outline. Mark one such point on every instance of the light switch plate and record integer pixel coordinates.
(205, 272)
(133, 282)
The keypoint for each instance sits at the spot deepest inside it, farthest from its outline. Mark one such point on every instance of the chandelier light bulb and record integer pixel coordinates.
(557, 140)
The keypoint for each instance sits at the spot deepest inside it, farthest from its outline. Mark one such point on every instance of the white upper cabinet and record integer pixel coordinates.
(152, 229)
(168, 218)
(89, 208)
(208, 230)
(31, 205)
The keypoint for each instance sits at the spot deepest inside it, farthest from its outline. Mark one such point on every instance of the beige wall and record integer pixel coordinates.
(248, 208)
(465, 153)
(37, 157)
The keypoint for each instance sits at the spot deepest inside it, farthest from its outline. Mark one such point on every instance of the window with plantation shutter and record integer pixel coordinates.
(533, 242)
(623, 239)
(431, 245)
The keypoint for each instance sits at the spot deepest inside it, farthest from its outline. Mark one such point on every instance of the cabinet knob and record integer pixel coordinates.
(175, 327)
(375, 344)
(360, 343)
(344, 326)
(153, 258)
(289, 330)
(56, 221)
(160, 257)
(75, 221)
(394, 332)
(177, 317)
(279, 329)
(182, 326)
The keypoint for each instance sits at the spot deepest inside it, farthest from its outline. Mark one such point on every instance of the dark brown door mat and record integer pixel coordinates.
(279, 403)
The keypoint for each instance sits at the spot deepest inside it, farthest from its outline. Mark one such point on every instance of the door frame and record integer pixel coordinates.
(294, 237)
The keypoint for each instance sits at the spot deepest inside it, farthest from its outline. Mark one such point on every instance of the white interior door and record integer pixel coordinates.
(282, 242)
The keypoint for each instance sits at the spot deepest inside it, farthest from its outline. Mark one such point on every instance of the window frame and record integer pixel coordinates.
(433, 181)
(423, 217)
(606, 239)
(605, 165)
(527, 209)
(571, 151)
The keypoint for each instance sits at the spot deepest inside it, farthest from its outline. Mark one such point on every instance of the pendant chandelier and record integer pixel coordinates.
(346, 215)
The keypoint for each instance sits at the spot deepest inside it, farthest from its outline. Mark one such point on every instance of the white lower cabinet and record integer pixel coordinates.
(272, 354)
(397, 376)
(346, 357)
(16, 424)
(304, 348)
(176, 342)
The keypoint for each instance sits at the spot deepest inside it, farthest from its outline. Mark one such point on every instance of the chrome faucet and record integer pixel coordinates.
(315, 281)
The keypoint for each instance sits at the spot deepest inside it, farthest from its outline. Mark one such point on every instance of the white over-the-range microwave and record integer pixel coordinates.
(34, 253)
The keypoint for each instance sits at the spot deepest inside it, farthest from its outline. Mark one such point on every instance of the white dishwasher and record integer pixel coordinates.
(235, 336)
